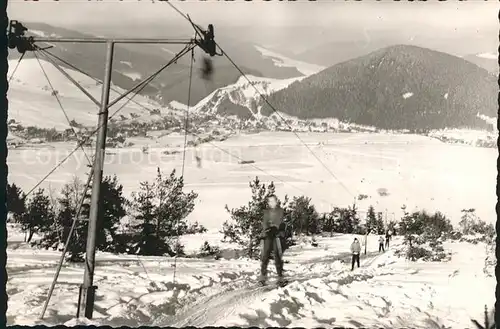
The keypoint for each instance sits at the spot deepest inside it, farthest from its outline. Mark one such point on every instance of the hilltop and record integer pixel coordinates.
(241, 98)
(398, 87)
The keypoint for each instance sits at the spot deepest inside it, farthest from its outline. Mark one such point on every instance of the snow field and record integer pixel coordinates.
(32, 104)
(414, 170)
(386, 291)
(390, 292)
(283, 61)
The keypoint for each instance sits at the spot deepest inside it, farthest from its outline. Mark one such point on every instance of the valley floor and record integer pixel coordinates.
(386, 291)
(389, 170)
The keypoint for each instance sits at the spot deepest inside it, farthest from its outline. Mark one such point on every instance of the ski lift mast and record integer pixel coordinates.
(18, 40)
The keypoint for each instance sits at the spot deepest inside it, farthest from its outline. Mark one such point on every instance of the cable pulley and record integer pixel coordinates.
(206, 41)
(208, 45)
(17, 39)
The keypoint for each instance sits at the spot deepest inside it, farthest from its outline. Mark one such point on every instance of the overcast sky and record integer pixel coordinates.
(476, 15)
(280, 24)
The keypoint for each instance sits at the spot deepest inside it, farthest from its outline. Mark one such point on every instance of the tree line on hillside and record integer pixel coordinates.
(419, 228)
(157, 218)
(301, 217)
(399, 87)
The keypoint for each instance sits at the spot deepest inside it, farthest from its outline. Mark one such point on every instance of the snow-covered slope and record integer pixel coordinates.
(283, 61)
(487, 60)
(33, 103)
(241, 98)
(488, 56)
(466, 136)
(385, 291)
(487, 119)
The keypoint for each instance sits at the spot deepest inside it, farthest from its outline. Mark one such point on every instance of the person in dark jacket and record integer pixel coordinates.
(271, 223)
(381, 244)
(387, 239)
(355, 250)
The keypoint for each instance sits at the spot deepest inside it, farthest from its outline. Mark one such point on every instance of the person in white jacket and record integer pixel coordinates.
(381, 244)
(355, 250)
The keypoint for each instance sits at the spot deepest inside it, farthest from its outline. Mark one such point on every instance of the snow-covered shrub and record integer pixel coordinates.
(438, 254)
(427, 252)
(418, 253)
(474, 229)
(474, 238)
(424, 235)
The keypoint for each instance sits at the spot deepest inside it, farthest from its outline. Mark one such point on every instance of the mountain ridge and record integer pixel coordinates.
(132, 63)
(443, 91)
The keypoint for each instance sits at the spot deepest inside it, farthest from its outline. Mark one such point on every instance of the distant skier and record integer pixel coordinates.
(271, 224)
(355, 250)
(387, 239)
(381, 244)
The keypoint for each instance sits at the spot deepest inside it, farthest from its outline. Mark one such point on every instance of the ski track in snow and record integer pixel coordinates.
(385, 291)
(222, 305)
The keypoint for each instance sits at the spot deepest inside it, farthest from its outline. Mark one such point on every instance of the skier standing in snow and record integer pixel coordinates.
(387, 239)
(381, 244)
(272, 222)
(355, 250)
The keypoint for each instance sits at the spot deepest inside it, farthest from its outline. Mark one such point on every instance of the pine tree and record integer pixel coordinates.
(288, 239)
(173, 205)
(344, 221)
(355, 221)
(380, 224)
(412, 225)
(348, 220)
(69, 202)
(16, 203)
(326, 221)
(468, 220)
(148, 239)
(303, 215)
(334, 220)
(371, 221)
(161, 209)
(435, 225)
(245, 226)
(111, 211)
(39, 216)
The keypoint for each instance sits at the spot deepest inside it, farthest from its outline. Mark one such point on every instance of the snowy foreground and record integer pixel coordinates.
(386, 291)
